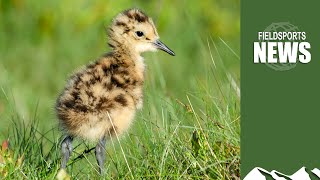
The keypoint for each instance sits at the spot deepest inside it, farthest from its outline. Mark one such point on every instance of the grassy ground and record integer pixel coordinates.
(189, 127)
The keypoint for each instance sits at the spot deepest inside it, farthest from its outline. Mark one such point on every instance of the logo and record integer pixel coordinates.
(262, 174)
(281, 46)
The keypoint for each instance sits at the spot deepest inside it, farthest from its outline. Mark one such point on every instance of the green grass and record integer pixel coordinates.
(189, 127)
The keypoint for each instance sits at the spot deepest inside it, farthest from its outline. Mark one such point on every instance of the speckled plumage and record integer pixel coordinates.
(109, 89)
(112, 84)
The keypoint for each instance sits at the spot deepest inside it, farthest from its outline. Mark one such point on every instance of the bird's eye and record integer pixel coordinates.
(139, 33)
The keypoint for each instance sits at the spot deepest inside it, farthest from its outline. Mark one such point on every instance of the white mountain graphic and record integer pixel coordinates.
(258, 174)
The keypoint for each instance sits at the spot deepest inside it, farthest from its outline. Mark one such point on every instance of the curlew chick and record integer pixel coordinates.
(100, 100)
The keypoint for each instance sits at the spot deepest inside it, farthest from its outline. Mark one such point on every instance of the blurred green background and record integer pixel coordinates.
(43, 42)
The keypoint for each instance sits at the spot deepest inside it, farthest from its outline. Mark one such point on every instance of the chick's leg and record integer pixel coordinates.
(101, 154)
(66, 149)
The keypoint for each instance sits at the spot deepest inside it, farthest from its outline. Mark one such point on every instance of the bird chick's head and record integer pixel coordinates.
(133, 30)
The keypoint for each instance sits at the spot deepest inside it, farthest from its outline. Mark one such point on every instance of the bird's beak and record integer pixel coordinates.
(163, 47)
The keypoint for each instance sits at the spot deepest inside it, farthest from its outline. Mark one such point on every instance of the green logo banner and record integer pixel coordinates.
(280, 89)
